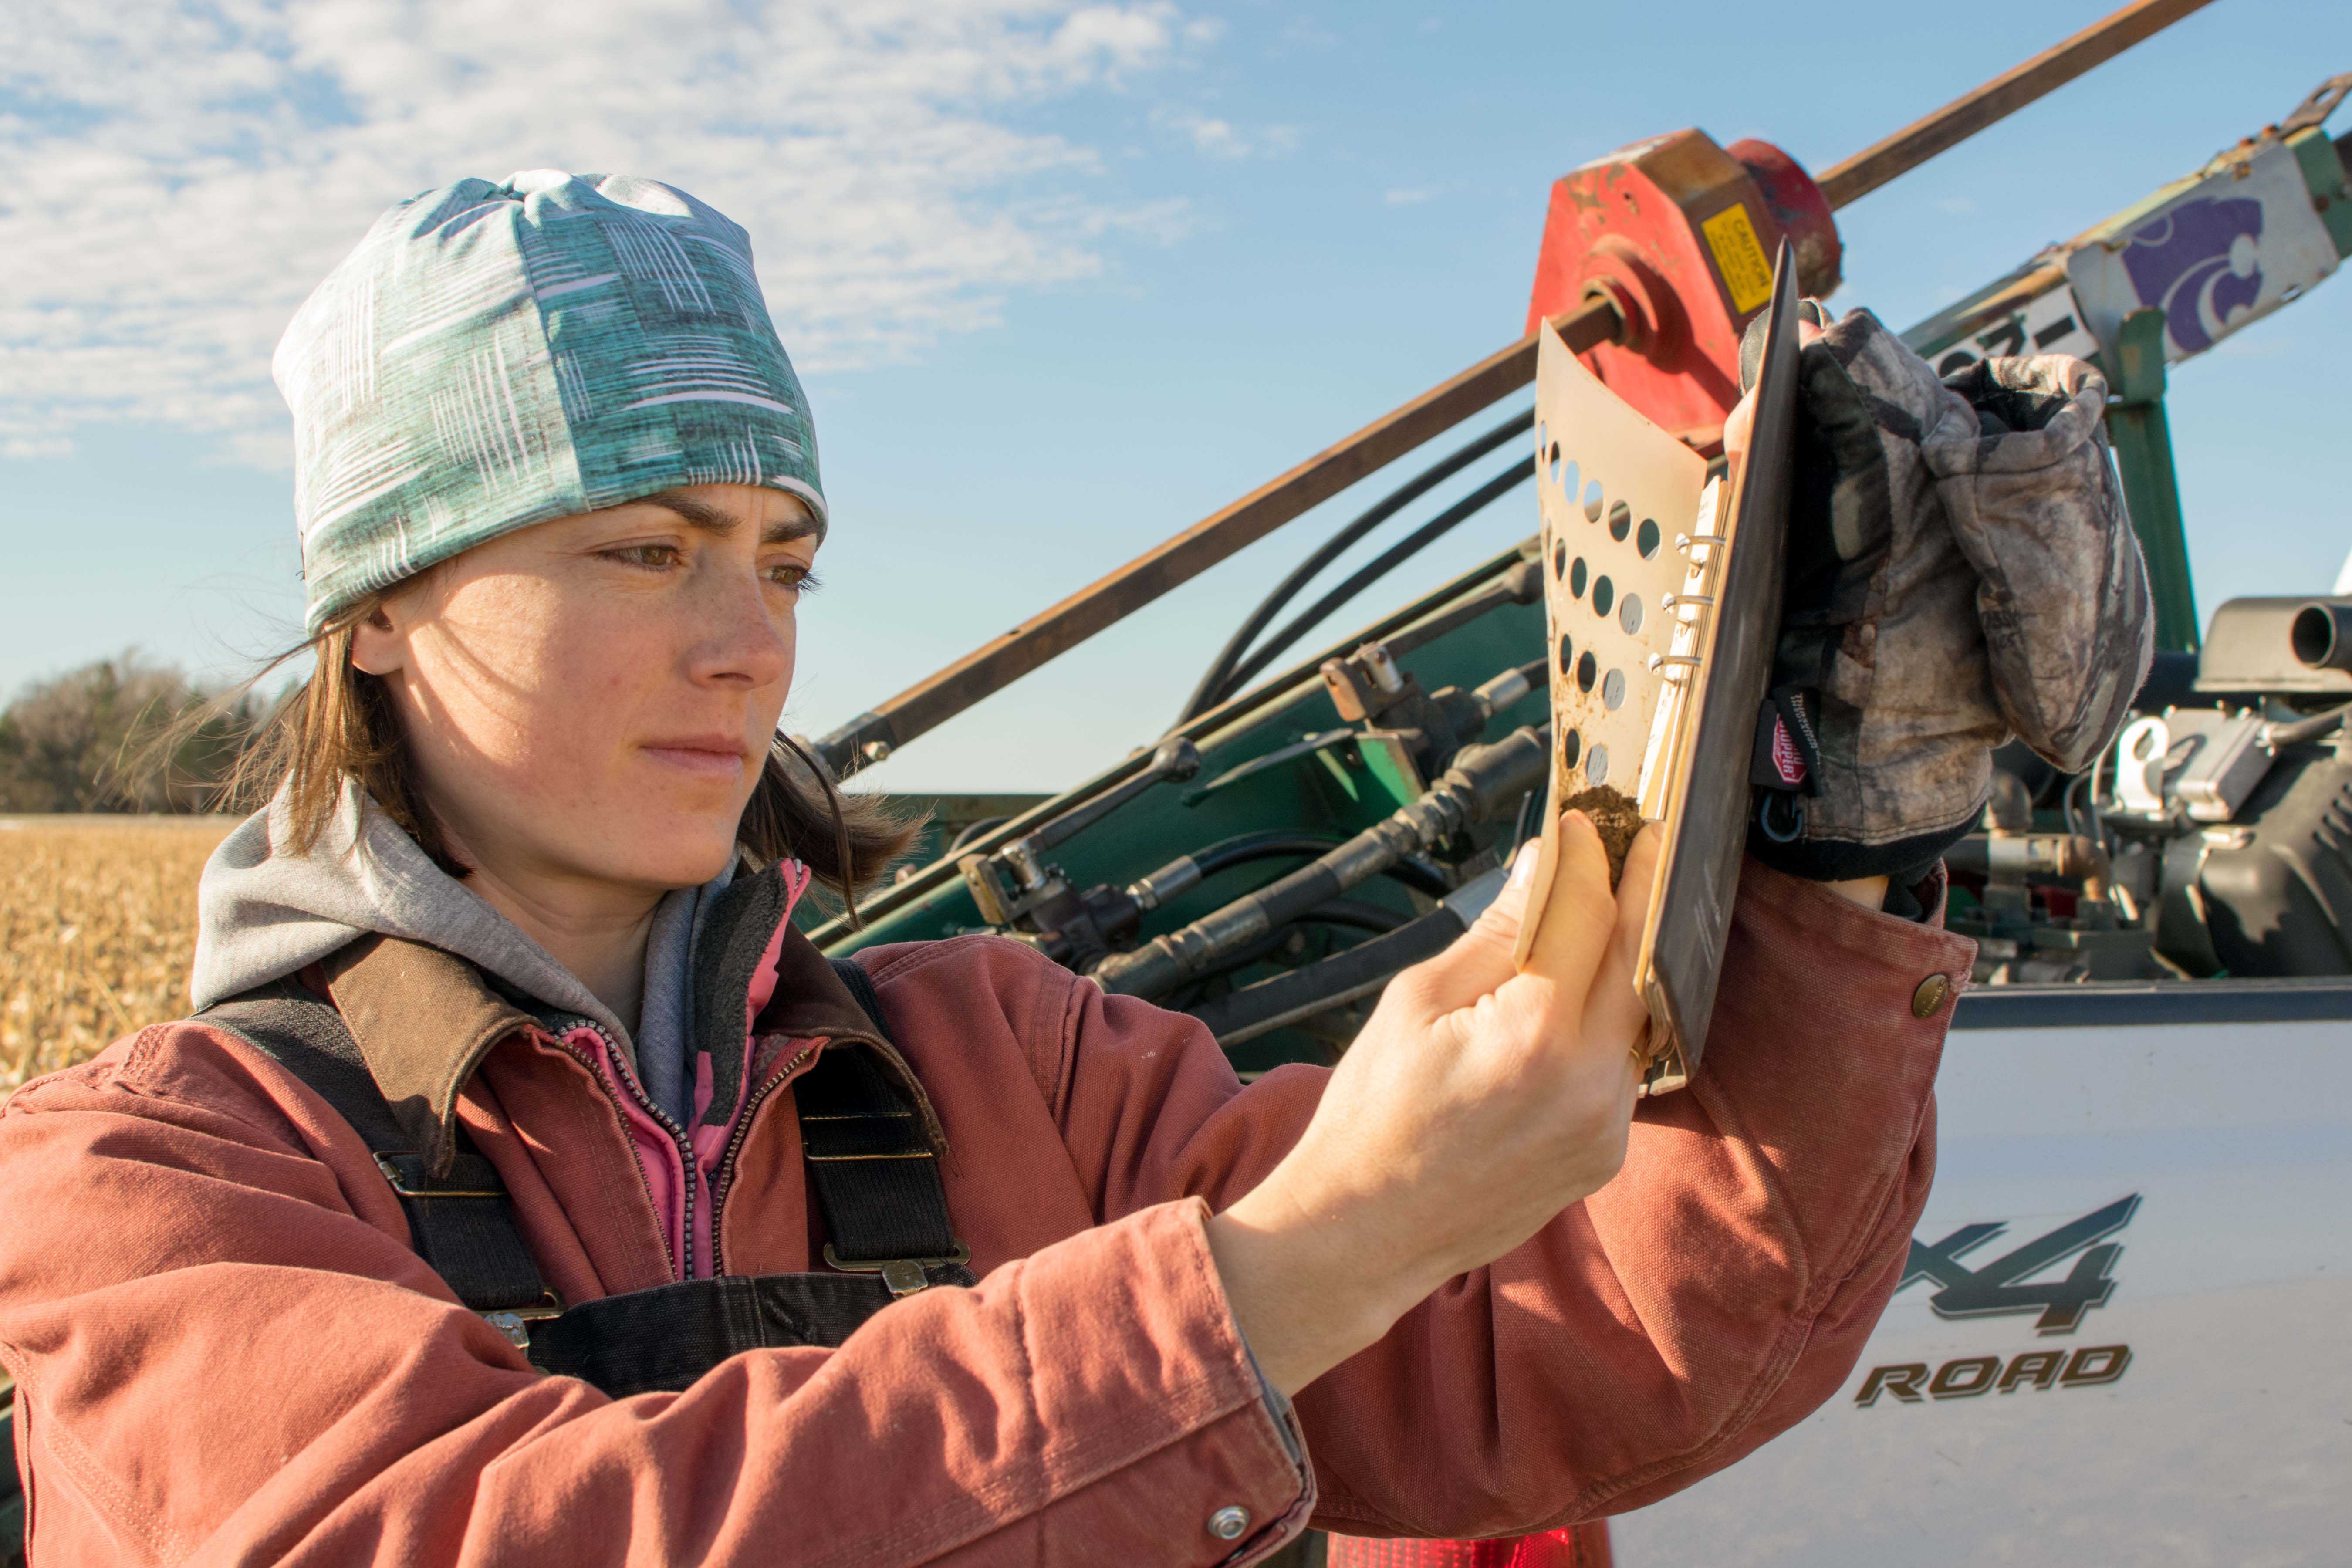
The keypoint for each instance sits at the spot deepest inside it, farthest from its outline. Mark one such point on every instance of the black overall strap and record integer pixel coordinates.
(462, 1224)
(876, 1175)
(667, 1337)
(875, 1178)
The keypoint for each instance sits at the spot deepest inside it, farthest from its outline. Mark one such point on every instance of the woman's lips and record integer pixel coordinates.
(707, 759)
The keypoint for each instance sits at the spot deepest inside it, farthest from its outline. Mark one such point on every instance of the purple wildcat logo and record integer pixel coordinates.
(2197, 263)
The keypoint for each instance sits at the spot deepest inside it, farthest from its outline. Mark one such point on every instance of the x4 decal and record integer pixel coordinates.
(1995, 1288)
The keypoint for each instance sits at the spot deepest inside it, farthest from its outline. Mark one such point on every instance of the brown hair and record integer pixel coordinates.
(341, 725)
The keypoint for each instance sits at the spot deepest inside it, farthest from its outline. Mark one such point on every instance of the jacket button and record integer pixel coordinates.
(1930, 996)
(1227, 1524)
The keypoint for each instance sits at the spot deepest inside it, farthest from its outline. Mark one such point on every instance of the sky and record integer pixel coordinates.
(1060, 277)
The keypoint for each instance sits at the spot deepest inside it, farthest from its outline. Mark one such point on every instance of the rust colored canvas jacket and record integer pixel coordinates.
(226, 1351)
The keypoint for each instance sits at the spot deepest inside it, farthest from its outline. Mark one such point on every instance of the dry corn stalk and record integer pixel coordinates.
(98, 926)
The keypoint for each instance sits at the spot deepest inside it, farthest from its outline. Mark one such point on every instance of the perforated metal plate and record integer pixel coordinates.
(1662, 594)
(1626, 510)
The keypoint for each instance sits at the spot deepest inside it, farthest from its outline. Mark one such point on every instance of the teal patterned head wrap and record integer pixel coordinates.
(493, 356)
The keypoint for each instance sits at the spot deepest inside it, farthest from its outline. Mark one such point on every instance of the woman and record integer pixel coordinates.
(530, 862)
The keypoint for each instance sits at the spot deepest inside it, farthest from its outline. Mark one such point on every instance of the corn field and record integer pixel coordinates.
(97, 925)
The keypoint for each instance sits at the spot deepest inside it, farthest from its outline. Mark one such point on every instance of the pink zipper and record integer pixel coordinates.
(679, 1166)
(659, 1146)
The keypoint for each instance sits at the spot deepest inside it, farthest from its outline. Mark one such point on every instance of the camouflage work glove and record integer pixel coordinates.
(1960, 567)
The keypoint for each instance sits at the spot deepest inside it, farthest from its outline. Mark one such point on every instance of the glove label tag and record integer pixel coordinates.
(1787, 755)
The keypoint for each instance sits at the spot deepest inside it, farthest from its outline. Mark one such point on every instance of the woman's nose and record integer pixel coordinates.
(742, 640)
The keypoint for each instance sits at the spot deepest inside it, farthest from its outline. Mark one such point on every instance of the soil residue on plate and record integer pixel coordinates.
(1616, 817)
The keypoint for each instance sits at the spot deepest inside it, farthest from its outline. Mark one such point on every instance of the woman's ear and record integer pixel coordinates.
(379, 645)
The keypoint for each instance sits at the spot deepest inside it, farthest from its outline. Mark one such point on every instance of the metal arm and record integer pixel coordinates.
(923, 707)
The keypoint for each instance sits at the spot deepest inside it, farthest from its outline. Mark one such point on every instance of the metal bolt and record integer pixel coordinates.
(1227, 1524)
(1022, 856)
(875, 750)
(1178, 759)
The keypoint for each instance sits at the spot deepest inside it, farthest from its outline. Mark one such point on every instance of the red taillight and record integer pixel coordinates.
(1584, 1546)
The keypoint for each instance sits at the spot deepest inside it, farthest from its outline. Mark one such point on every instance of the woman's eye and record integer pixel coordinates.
(655, 557)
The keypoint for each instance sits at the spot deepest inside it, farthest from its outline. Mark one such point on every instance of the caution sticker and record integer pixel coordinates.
(1740, 257)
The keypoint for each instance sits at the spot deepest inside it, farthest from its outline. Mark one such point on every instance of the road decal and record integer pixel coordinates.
(1965, 1377)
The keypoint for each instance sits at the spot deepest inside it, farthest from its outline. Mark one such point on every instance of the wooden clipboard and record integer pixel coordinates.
(1662, 593)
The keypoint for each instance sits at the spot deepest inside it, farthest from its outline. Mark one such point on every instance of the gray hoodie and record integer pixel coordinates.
(264, 912)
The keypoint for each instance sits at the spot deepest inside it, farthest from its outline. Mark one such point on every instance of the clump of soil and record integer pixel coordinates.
(1617, 818)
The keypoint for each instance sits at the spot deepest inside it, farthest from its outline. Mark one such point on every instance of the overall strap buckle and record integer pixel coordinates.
(871, 1165)
(463, 1224)
(405, 1169)
(902, 1276)
(515, 1323)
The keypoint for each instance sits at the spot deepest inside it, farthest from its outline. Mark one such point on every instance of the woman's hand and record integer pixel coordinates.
(1740, 426)
(1739, 431)
(1476, 1105)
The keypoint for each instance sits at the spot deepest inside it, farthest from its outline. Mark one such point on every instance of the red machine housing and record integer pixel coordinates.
(1679, 234)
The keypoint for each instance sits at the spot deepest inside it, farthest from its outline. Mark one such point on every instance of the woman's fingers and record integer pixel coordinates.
(1635, 885)
(1615, 1012)
(1576, 919)
(1740, 426)
(1479, 959)
(1737, 427)
(1577, 923)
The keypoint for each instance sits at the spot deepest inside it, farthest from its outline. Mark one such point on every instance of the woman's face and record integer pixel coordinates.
(588, 702)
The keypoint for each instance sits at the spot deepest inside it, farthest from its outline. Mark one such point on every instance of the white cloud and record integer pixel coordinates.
(1215, 138)
(1405, 198)
(183, 171)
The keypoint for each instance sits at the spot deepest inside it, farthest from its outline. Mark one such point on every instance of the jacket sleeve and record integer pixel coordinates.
(226, 1352)
(1706, 1299)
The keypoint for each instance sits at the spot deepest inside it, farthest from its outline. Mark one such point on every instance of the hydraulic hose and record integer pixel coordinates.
(1482, 781)
(1372, 571)
(1329, 983)
(1189, 871)
(1356, 913)
(1353, 913)
(1218, 681)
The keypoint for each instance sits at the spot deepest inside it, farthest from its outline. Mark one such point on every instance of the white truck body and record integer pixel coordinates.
(2200, 1412)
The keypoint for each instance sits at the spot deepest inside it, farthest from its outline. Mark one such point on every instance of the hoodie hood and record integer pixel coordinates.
(265, 912)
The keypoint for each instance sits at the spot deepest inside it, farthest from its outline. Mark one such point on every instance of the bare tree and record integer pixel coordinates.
(86, 740)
